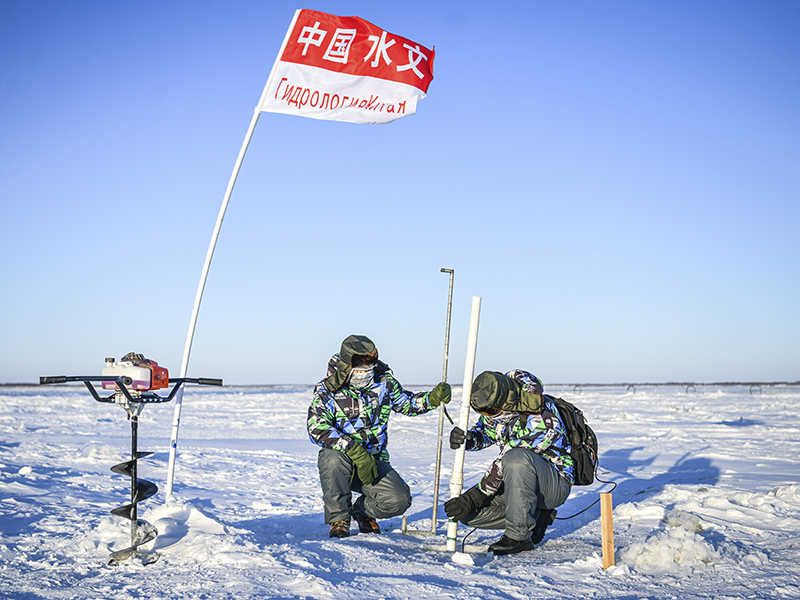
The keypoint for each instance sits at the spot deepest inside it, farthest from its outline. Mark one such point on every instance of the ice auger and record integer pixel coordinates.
(133, 380)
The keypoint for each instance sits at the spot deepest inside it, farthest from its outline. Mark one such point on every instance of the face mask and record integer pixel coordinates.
(501, 416)
(361, 379)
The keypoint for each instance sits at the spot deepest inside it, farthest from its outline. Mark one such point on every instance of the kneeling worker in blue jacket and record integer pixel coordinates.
(349, 419)
(533, 474)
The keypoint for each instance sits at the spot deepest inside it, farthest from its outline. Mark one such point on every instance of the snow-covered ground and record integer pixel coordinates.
(707, 503)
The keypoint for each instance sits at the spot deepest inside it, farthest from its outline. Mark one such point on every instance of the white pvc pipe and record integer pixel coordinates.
(457, 480)
(176, 420)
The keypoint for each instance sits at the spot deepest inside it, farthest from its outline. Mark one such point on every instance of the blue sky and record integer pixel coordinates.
(618, 182)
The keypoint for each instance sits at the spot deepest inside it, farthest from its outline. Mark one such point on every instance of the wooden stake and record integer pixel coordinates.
(607, 522)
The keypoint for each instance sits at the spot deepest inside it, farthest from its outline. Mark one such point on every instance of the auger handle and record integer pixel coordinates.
(123, 379)
(198, 380)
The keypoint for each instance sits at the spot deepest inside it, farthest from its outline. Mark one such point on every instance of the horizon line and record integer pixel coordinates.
(622, 384)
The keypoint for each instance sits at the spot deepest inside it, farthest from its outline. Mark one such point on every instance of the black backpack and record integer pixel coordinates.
(581, 438)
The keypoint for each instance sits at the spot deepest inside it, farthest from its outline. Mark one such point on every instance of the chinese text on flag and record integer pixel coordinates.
(346, 69)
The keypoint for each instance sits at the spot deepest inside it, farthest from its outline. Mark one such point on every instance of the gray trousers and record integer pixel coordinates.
(388, 496)
(530, 484)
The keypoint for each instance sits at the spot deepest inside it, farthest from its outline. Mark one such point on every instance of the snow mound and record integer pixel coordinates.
(676, 549)
(685, 519)
(99, 451)
(461, 558)
(632, 511)
(185, 531)
(179, 516)
(110, 534)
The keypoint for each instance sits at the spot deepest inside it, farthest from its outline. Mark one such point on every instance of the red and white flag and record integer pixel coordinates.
(346, 69)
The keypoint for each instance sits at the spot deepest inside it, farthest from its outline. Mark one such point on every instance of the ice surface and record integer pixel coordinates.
(707, 503)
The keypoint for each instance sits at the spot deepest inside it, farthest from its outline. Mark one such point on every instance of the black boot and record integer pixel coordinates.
(365, 524)
(507, 545)
(546, 518)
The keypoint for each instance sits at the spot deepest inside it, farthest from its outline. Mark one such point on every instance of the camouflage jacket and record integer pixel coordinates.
(351, 417)
(544, 433)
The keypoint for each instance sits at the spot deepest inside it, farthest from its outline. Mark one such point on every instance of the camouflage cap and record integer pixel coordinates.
(357, 345)
(341, 364)
(493, 392)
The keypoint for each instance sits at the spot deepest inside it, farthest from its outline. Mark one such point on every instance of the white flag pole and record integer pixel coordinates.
(457, 480)
(173, 446)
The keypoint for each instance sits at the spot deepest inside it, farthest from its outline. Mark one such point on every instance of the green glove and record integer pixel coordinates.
(440, 395)
(364, 464)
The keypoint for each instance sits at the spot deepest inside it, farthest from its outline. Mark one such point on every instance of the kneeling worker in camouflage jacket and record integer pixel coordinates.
(349, 418)
(533, 474)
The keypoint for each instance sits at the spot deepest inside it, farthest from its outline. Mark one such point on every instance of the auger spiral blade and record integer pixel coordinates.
(141, 489)
(144, 533)
(144, 490)
(126, 468)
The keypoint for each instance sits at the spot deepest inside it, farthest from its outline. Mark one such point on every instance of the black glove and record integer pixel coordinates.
(464, 505)
(457, 437)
